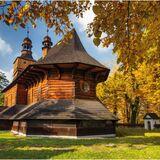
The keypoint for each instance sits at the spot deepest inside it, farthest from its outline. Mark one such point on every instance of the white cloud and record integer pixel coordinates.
(5, 48)
(8, 74)
(104, 49)
(88, 17)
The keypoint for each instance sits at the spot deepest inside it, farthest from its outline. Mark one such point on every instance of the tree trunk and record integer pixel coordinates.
(134, 111)
(127, 108)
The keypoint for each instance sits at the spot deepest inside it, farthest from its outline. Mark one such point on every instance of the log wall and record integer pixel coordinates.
(19, 65)
(21, 94)
(64, 127)
(37, 92)
(61, 89)
(95, 127)
(51, 88)
(57, 84)
(49, 127)
(15, 95)
(10, 96)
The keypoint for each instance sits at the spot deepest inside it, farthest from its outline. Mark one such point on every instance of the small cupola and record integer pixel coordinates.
(47, 43)
(26, 46)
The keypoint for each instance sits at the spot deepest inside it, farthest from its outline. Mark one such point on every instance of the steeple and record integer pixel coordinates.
(47, 43)
(26, 51)
(25, 58)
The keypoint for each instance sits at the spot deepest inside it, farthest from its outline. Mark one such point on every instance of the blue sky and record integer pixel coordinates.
(11, 40)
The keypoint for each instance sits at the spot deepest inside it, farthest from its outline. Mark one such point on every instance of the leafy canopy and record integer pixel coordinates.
(131, 26)
(3, 83)
(53, 13)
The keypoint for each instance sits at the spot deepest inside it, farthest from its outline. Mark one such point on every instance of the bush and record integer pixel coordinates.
(124, 131)
(157, 126)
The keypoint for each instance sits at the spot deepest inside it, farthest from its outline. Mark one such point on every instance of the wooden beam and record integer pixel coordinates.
(35, 74)
(101, 74)
(43, 71)
(24, 84)
(28, 80)
(58, 69)
(87, 71)
(90, 69)
(27, 83)
(32, 77)
(40, 70)
(74, 69)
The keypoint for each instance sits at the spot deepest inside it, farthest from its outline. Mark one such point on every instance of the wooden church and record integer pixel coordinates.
(56, 95)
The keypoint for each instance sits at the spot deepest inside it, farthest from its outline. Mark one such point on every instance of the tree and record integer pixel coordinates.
(54, 13)
(111, 93)
(131, 94)
(131, 26)
(149, 82)
(3, 83)
(121, 95)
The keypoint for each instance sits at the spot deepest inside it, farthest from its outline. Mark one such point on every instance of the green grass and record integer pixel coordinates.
(131, 146)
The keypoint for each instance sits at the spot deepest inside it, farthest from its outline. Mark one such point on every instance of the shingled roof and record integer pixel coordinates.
(65, 109)
(27, 56)
(151, 116)
(8, 112)
(69, 52)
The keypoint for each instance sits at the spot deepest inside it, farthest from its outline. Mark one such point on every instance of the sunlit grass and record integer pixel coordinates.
(156, 134)
(130, 146)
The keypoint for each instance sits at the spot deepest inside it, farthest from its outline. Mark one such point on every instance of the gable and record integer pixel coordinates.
(151, 116)
(147, 117)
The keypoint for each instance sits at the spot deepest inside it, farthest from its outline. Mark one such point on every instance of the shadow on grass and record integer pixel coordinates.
(44, 148)
(32, 153)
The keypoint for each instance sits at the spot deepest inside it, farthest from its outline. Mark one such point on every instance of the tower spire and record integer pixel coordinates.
(47, 43)
(47, 31)
(27, 32)
(27, 45)
(25, 58)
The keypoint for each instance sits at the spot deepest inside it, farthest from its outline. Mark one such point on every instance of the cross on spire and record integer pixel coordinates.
(27, 31)
(47, 31)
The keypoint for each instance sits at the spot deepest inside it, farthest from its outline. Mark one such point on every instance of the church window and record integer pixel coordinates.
(85, 87)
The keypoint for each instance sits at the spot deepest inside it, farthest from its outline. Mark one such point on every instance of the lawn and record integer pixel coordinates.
(132, 145)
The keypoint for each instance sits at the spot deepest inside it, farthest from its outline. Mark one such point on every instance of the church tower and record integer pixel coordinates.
(47, 43)
(25, 59)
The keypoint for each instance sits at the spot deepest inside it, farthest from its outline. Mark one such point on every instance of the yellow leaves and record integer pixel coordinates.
(20, 15)
(96, 41)
(97, 33)
(22, 25)
(33, 25)
(96, 9)
(11, 20)
(133, 36)
(15, 27)
(54, 13)
(142, 82)
(1, 17)
(26, 7)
